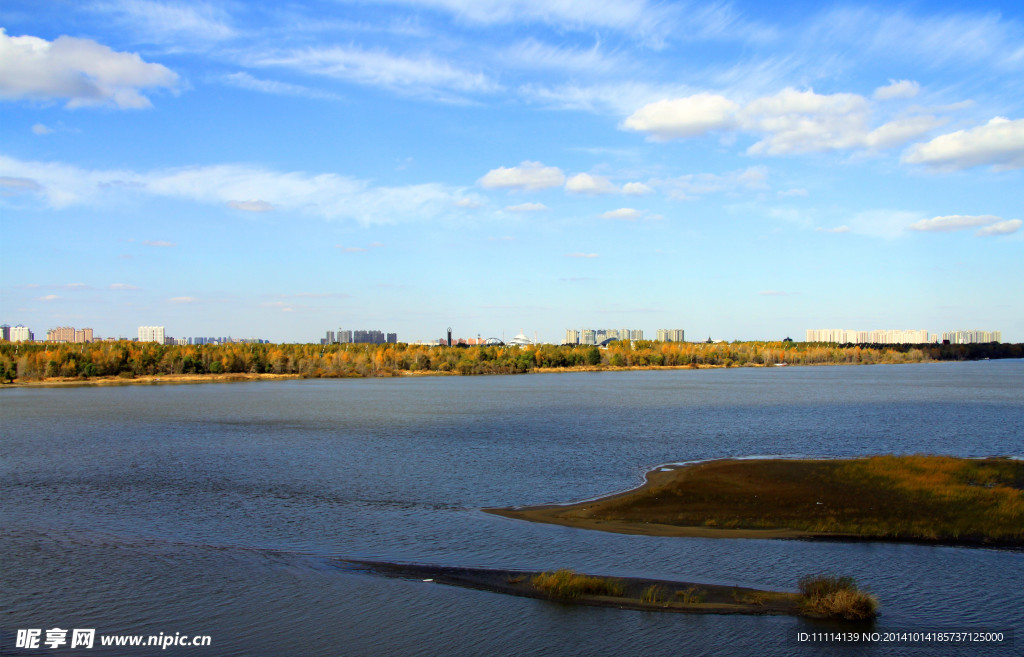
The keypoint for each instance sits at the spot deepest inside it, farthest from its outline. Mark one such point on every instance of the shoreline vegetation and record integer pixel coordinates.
(824, 596)
(932, 499)
(127, 362)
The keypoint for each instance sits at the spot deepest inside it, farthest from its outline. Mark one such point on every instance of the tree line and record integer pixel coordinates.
(126, 359)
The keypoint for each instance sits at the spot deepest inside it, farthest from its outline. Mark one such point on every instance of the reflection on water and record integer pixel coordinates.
(217, 509)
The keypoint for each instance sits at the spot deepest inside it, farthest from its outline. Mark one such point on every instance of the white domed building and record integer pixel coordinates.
(520, 340)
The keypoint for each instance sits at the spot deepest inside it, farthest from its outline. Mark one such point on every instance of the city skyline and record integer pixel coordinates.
(584, 336)
(745, 171)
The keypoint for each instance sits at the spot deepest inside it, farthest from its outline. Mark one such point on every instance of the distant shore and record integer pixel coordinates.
(147, 379)
(932, 499)
(240, 377)
(126, 362)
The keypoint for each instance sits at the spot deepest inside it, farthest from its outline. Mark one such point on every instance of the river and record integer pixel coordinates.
(222, 509)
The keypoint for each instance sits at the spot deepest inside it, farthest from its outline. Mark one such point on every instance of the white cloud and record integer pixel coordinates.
(40, 129)
(326, 195)
(939, 39)
(282, 306)
(170, 22)
(990, 225)
(684, 117)
(418, 75)
(625, 214)
(691, 185)
(251, 206)
(887, 224)
(952, 222)
(636, 189)
(631, 16)
(49, 297)
(615, 97)
(183, 300)
(243, 80)
(580, 255)
(584, 183)
(163, 244)
(79, 70)
(528, 175)
(350, 249)
(897, 89)
(322, 295)
(788, 122)
(804, 121)
(898, 132)
(999, 143)
(1000, 228)
(10, 186)
(532, 53)
(123, 286)
(796, 191)
(836, 230)
(527, 207)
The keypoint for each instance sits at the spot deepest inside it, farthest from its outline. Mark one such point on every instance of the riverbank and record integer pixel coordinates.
(68, 382)
(934, 499)
(621, 592)
(162, 379)
(118, 362)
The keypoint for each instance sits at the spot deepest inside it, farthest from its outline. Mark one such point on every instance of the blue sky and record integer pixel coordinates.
(739, 170)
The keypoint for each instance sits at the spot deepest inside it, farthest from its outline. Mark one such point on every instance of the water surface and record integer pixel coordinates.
(221, 509)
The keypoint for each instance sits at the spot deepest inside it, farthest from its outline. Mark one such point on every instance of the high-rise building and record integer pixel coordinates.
(846, 336)
(367, 337)
(973, 336)
(330, 338)
(671, 335)
(597, 336)
(69, 334)
(5, 332)
(151, 334)
(21, 333)
(61, 334)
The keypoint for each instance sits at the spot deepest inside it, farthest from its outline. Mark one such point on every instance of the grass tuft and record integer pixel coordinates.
(565, 583)
(691, 596)
(654, 594)
(756, 598)
(830, 596)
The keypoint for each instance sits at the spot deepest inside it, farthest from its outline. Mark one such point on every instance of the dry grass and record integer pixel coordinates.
(690, 596)
(654, 594)
(756, 598)
(893, 497)
(836, 597)
(570, 585)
